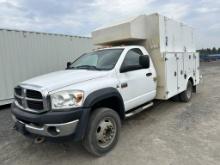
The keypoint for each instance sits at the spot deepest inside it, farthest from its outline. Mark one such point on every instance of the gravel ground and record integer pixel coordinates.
(170, 133)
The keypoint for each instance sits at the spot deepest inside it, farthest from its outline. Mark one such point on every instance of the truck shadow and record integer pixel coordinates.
(3, 107)
(69, 149)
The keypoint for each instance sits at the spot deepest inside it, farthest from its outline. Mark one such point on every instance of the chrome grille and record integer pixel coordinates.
(33, 94)
(30, 100)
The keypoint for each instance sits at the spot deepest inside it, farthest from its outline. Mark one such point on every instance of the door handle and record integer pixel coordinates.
(149, 74)
(124, 85)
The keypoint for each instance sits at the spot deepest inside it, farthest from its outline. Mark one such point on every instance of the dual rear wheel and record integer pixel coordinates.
(186, 95)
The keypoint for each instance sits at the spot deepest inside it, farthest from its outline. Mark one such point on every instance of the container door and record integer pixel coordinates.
(171, 75)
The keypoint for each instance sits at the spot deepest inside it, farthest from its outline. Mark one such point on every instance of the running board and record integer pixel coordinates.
(139, 110)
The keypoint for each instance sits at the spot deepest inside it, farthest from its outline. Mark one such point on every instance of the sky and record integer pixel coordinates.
(81, 17)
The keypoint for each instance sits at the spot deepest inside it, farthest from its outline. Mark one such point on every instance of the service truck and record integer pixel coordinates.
(146, 58)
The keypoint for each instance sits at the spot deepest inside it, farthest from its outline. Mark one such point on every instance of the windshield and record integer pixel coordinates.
(98, 60)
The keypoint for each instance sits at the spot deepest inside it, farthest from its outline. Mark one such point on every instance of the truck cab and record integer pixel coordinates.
(110, 81)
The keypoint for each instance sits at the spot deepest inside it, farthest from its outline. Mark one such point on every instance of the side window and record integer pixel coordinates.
(132, 58)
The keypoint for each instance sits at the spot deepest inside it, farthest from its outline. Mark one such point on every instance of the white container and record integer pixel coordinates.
(24, 55)
(171, 45)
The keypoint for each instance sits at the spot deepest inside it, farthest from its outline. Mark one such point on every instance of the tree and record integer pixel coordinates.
(201, 51)
(208, 51)
(214, 50)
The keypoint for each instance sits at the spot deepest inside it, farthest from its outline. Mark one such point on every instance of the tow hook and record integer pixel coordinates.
(39, 140)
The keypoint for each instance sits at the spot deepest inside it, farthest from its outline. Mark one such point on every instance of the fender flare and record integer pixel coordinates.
(192, 78)
(193, 83)
(103, 94)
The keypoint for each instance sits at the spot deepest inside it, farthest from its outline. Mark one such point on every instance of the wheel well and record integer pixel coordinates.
(194, 87)
(191, 79)
(113, 103)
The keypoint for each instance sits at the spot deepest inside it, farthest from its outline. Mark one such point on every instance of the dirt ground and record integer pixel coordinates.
(170, 133)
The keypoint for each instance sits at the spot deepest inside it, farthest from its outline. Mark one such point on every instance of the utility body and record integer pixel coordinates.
(89, 99)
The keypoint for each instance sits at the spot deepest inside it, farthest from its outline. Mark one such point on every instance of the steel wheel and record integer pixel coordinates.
(105, 132)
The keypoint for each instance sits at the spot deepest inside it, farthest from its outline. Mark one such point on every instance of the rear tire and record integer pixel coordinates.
(175, 98)
(103, 131)
(186, 95)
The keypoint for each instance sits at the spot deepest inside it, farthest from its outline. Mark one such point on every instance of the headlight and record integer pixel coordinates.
(67, 99)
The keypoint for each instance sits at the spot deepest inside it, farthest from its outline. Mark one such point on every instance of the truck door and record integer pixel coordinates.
(136, 86)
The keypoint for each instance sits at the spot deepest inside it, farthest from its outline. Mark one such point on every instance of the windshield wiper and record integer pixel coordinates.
(87, 67)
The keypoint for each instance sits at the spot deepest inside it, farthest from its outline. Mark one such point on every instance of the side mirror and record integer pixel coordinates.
(126, 69)
(68, 65)
(144, 61)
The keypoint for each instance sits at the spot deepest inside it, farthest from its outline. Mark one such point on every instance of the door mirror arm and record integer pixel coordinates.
(68, 64)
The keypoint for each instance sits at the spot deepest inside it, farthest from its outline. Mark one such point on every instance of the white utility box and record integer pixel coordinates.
(170, 44)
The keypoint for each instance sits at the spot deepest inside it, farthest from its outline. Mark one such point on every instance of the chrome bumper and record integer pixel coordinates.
(50, 130)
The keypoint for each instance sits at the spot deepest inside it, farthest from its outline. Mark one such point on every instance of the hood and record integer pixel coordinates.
(60, 79)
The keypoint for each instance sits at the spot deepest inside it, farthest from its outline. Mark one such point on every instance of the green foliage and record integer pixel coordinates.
(207, 51)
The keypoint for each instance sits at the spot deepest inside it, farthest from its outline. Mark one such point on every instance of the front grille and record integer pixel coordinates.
(33, 94)
(30, 100)
(18, 91)
(35, 105)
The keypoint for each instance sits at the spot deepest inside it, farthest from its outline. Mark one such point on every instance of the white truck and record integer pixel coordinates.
(151, 57)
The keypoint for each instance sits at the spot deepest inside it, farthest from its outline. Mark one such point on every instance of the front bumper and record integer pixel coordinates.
(72, 122)
(49, 130)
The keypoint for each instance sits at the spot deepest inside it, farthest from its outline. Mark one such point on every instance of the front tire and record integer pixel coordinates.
(103, 131)
(186, 95)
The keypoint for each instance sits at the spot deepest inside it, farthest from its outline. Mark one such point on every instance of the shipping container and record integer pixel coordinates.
(25, 54)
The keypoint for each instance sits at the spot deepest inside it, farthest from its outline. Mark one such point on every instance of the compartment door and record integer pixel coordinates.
(197, 72)
(189, 63)
(171, 75)
(181, 85)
